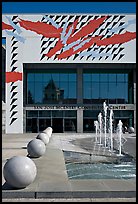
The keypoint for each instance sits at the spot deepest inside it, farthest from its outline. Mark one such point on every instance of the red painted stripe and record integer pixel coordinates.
(59, 44)
(66, 54)
(57, 47)
(6, 26)
(117, 38)
(88, 29)
(71, 51)
(44, 29)
(74, 24)
(13, 76)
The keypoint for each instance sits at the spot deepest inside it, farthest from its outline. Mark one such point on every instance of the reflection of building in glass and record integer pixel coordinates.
(49, 86)
(52, 92)
(30, 97)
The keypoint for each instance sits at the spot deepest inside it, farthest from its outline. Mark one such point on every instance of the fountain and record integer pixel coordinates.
(105, 117)
(111, 129)
(96, 129)
(100, 125)
(120, 134)
(101, 162)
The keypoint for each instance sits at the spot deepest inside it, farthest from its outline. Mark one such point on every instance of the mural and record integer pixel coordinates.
(61, 39)
(84, 37)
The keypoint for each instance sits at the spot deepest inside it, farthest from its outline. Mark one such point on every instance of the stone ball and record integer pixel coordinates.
(49, 131)
(19, 171)
(44, 137)
(131, 130)
(36, 148)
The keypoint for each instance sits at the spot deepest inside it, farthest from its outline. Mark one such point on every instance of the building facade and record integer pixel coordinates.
(60, 68)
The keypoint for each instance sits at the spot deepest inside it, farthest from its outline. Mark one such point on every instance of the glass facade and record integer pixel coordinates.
(60, 87)
(76, 87)
(89, 116)
(51, 87)
(114, 88)
(60, 121)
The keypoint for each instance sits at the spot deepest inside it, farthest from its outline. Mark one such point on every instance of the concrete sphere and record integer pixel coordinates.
(36, 148)
(49, 131)
(19, 171)
(44, 137)
(131, 130)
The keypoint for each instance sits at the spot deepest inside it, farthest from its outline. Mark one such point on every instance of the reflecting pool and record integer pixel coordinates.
(125, 170)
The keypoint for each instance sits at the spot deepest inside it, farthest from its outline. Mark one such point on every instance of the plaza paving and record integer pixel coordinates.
(52, 183)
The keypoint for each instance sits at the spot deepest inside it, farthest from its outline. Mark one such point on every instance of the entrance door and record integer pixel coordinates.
(34, 125)
(44, 123)
(70, 125)
(88, 125)
(57, 125)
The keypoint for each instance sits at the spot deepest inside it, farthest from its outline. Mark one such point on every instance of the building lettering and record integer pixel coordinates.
(94, 107)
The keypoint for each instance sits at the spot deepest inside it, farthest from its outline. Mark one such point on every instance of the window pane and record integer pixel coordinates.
(63, 77)
(52, 87)
(87, 77)
(30, 98)
(126, 78)
(120, 91)
(72, 90)
(112, 77)
(46, 77)
(38, 92)
(4, 41)
(95, 90)
(126, 92)
(45, 113)
(64, 89)
(70, 113)
(30, 77)
(30, 93)
(120, 78)
(106, 86)
(32, 113)
(38, 77)
(103, 90)
(112, 91)
(103, 77)
(90, 113)
(57, 114)
(55, 77)
(87, 90)
(95, 77)
(72, 77)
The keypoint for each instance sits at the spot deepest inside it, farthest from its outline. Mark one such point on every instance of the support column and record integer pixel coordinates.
(79, 99)
(24, 120)
(14, 86)
(79, 86)
(80, 121)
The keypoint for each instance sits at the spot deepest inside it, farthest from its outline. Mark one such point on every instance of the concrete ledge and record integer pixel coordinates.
(67, 194)
(18, 194)
(87, 194)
